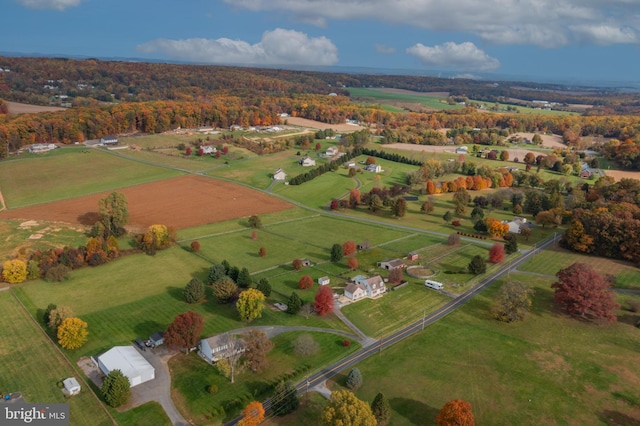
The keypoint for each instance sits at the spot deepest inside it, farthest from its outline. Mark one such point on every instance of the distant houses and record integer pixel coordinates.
(108, 141)
(41, 147)
(331, 151)
(374, 168)
(208, 149)
(307, 162)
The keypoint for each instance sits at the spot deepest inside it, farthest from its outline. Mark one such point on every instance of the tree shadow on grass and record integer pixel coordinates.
(145, 328)
(417, 412)
(176, 292)
(631, 319)
(616, 418)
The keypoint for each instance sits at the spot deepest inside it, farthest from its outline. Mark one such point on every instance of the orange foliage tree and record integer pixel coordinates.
(352, 263)
(456, 413)
(252, 415)
(348, 248)
(305, 282)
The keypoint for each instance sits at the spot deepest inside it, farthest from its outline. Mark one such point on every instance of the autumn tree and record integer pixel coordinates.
(548, 218)
(336, 253)
(352, 263)
(513, 302)
(14, 271)
(252, 415)
(264, 286)
(285, 399)
(297, 264)
(194, 291)
(344, 408)
(453, 240)
(305, 282)
(262, 252)
(255, 222)
(305, 345)
(72, 333)
(228, 365)
(477, 265)
(114, 213)
(427, 207)
(257, 345)
(381, 409)
(195, 246)
(576, 238)
(456, 413)
(354, 379)
(185, 330)
(354, 198)
(396, 276)
(294, 303)
(399, 207)
(496, 253)
(116, 388)
(57, 315)
(496, 228)
(224, 290)
(323, 302)
(250, 304)
(583, 291)
(349, 248)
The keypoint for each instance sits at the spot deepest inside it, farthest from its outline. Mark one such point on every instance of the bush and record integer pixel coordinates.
(305, 282)
(212, 389)
(57, 273)
(354, 379)
(346, 343)
(195, 246)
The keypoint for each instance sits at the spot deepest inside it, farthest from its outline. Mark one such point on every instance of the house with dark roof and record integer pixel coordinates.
(391, 264)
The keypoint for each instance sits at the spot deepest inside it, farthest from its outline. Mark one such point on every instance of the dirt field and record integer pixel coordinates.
(180, 202)
(344, 127)
(18, 108)
(548, 141)
(620, 174)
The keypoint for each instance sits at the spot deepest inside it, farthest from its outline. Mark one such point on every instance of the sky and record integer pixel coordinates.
(535, 40)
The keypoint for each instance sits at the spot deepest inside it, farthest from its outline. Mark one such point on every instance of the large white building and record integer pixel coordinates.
(128, 360)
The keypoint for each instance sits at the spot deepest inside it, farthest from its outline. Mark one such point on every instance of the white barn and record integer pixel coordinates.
(128, 360)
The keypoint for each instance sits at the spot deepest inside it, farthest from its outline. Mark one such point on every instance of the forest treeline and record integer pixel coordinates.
(125, 98)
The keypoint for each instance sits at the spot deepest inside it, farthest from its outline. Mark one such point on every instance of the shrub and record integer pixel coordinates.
(354, 379)
(346, 343)
(456, 223)
(212, 389)
(195, 246)
(57, 273)
(305, 282)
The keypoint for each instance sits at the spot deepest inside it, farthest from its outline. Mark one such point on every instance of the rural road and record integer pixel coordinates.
(318, 379)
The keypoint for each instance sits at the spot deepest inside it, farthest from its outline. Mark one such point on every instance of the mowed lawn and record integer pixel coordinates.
(137, 295)
(548, 370)
(71, 172)
(551, 260)
(30, 364)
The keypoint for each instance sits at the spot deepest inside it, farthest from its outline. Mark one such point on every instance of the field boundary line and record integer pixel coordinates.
(68, 361)
(4, 205)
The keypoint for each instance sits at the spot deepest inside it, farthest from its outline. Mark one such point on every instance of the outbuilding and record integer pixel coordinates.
(156, 339)
(71, 386)
(128, 360)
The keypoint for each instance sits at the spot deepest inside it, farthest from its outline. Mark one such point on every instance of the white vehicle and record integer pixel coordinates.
(433, 284)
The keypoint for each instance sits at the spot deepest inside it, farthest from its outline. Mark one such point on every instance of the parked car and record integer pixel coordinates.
(140, 345)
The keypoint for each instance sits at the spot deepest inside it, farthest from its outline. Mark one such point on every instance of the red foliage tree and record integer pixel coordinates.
(431, 187)
(352, 263)
(262, 252)
(225, 150)
(335, 205)
(195, 246)
(583, 291)
(318, 146)
(185, 330)
(218, 154)
(323, 303)
(456, 413)
(188, 151)
(396, 276)
(200, 152)
(370, 160)
(349, 248)
(254, 235)
(354, 198)
(297, 264)
(305, 282)
(496, 253)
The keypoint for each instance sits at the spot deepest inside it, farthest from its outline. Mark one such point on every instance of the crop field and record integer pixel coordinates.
(551, 260)
(548, 369)
(71, 172)
(17, 235)
(181, 202)
(398, 98)
(25, 349)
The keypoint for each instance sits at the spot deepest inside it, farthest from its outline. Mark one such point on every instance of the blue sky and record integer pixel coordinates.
(564, 40)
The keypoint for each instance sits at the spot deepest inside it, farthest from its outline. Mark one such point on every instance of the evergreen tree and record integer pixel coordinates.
(447, 216)
(336, 252)
(294, 303)
(217, 271)
(354, 379)
(477, 265)
(244, 278)
(194, 291)
(116, 388)
(511, 244)
(285, 399)
(381, 409)
(264, 287)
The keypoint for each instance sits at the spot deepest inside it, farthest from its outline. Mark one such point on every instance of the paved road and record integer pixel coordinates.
(319, 378)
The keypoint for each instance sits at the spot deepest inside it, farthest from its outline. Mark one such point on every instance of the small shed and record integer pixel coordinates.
(157, 338)
(71, 386)
(324, 280)
(412, 256)
(306, 262)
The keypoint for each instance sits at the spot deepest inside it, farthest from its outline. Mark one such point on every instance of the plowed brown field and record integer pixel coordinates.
(180, 202)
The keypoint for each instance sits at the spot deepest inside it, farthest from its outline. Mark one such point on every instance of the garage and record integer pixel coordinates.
(128, 360)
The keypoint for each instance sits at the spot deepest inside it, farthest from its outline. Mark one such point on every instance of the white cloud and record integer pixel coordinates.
(546, 23)
(384, 49)
(50, 4)
(277, 47)
(464, 56)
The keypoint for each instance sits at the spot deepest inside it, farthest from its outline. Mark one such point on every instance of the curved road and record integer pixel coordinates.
(328, 372)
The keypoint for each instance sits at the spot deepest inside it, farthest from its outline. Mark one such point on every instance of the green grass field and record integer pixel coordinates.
(37, 236)
(191, 376)
(549, 369)
(71, 172)
(30, 364)
(550, 261)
